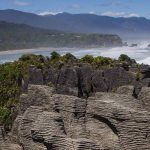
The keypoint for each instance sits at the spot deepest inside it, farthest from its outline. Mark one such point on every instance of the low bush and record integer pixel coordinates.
(87, 59)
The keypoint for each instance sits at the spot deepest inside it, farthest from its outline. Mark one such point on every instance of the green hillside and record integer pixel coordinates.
(20, 36)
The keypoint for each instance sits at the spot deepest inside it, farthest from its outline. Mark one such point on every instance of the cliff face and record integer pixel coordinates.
(105, 121)
(82, 80)
(80, 107)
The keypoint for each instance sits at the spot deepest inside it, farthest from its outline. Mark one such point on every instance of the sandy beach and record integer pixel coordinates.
(25, 51)
(140, 54)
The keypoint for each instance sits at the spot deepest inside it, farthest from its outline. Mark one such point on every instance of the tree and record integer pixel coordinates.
(125, 58)
(55, 55)
(87, 58)
(69, 57)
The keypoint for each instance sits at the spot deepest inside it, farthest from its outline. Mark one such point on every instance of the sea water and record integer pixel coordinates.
(141, 53)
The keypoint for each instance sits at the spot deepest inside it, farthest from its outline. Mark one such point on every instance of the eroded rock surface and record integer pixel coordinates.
(82, 79)
(105, 121)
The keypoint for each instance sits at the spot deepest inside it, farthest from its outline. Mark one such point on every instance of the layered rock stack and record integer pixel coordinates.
(104, 121)
(82, 79)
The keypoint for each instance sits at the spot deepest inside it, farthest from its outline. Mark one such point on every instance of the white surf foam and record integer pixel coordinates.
(144, 61)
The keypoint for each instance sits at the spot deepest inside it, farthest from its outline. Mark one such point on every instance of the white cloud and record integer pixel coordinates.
(119, 14)
(44, 13)
(76, 6)
(92, 12)
(21, 3)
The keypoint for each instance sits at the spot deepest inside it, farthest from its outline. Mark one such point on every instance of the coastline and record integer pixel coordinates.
(26, 51)
(142, 54)
(50, 49)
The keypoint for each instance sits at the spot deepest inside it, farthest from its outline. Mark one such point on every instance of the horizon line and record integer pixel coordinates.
(57, 13)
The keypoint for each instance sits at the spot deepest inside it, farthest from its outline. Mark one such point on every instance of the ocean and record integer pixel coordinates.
(141, 53)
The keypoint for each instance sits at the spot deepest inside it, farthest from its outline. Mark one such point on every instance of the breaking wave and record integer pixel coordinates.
(140, 53)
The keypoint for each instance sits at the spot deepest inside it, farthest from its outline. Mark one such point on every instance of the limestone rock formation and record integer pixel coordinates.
(104, 121)
(126, 90)
(5, 142)
(82, 80)
(126, 118)
(35, 75)
(144, 97)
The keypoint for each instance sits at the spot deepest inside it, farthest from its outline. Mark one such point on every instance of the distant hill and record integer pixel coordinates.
(18, 36)
(134, 27)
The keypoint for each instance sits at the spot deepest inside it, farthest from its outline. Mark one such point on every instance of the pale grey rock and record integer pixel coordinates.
(67, 82)
(37, 96)
(128, 121)
(144, 97)
(35, 76)
(127, 90)
(105, 121)
(5, 141)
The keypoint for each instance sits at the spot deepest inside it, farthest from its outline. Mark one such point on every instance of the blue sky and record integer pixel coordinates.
(116, 8)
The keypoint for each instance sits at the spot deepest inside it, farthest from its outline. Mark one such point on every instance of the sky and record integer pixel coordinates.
(115, 8)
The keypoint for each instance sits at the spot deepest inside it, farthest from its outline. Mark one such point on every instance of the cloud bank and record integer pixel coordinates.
(45, 13)
(21, 3)
(119, 14)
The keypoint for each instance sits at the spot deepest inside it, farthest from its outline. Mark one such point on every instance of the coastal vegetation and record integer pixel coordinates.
(21, 36)
(12, 74)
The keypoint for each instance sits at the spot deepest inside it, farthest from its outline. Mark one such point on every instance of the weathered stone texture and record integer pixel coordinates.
(106, 121)
(82, 79)
(126, 118)
(144, 97)
(35, 76)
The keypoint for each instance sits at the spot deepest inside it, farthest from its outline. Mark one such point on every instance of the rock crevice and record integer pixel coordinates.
(104, 121)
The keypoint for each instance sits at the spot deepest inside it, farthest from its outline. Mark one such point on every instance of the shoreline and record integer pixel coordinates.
(50, 49)
(26, 51)
(40, 49)
(142, 55)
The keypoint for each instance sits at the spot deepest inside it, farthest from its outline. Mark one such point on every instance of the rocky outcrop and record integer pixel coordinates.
(125, 117)
(145, 71)
(35, 75)
(82, 79)
(126, 90)
(133, 45)
(144, 97)
(5, 142)
(143, 79)
(105, 121)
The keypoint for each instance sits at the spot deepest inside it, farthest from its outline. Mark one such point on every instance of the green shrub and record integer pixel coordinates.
(50, 84)
(55, 55)
(124, 58)
(68, 57)
(102, 61)
(5, 115)
(88, 59)
(25, 57)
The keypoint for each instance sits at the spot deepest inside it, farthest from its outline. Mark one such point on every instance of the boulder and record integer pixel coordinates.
(133, 45)
(37, 96)
(145, 71)
(5, 142)
(127, 90)
(144, 97)
(125, 44)
(117, 77)
(99, 83)
(67, 81)
(35, 75)
(106, 121)
(82, 80)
